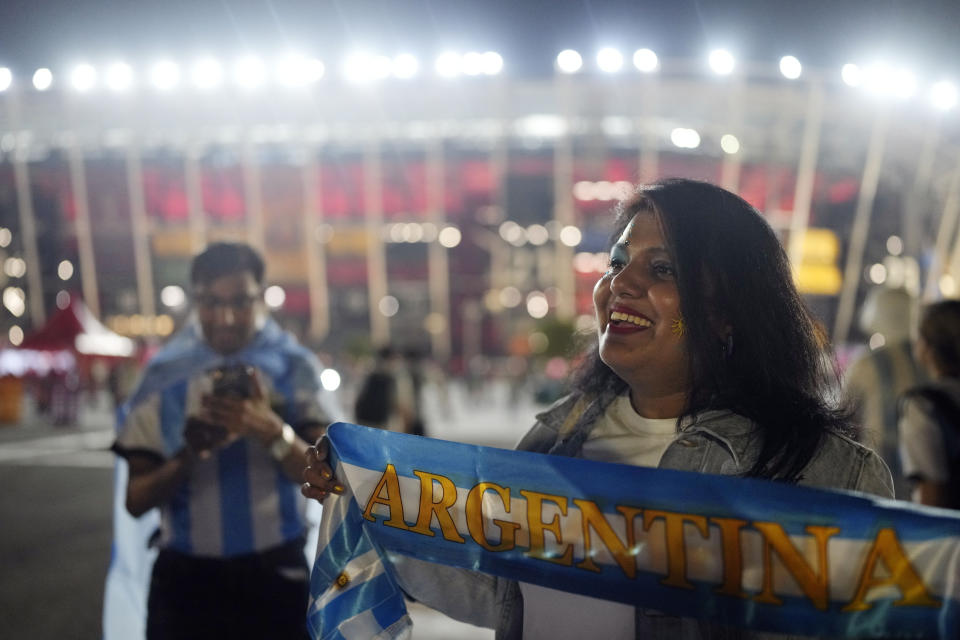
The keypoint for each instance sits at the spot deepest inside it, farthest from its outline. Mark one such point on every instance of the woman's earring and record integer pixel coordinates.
(678, 327)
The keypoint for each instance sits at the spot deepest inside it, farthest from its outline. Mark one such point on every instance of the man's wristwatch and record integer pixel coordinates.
(281, 446)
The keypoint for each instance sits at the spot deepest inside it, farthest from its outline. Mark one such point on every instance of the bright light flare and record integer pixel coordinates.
(207, 74)
(274, 296)
(119, 76)
(14, 299)
(65, 270)
(721, 62)
(448, 64)
(790, 67)
(6, 78)
(569, 61)
(449, 237)
(361, 68)
(851, 74)
(491, 63)
(645, 60)
(83, 77)
(173, 296)
(609, 60)
(294, 70)
(570, 236)
(685, 138)
(249, 72)
(537, 234)
(165, 75)
(472, 63)
(944, 95)
(537, 305)
(389, 306)
(330, 379)
(42, 79)
(884, 80)
(405, 66)
(729, 144)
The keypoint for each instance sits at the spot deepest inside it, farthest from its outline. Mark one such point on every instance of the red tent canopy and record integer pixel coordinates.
(74, 329)
(58, 334)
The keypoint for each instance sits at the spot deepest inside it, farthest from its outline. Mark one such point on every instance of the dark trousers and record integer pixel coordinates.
(252, 597)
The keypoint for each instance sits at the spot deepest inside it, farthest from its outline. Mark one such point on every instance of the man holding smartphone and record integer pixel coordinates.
(215, 437)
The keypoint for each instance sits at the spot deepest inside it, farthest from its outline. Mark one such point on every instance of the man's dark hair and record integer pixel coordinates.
(225, 258)
(940, 329)
(732, 272)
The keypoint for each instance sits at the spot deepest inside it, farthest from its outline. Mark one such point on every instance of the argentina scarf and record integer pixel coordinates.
(739, 552)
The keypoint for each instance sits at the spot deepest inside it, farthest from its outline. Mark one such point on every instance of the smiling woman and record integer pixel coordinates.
(706, 361)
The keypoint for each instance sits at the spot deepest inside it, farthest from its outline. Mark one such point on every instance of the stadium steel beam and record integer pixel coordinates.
(649, 160)
(946, 259)
(252, 194)
(732, 162)
(28, 229)
(438, 270)
(563, 206)
(921, 181)
(85, 255)
(376, 255)
(315, 250)
(194, 191)
(806, 174)
(861, 223)
(140, 230)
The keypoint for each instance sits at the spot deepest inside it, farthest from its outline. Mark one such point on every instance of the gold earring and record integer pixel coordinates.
(678, 327)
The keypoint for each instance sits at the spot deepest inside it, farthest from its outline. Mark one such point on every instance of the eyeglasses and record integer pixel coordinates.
(237, 303)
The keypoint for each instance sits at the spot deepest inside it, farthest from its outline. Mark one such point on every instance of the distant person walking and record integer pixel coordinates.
(930, 417)
(875, 380)
(386, 397)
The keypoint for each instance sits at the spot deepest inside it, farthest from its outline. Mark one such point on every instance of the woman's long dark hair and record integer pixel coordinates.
(734, 279)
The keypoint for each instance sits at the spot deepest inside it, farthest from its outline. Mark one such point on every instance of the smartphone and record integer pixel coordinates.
(233, 380)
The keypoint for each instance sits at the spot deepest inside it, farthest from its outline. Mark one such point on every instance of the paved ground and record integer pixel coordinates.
(55, 514)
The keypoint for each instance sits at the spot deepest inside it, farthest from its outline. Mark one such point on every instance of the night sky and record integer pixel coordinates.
(921, 34)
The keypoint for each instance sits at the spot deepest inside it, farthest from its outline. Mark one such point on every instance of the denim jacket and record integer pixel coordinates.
(719, 442)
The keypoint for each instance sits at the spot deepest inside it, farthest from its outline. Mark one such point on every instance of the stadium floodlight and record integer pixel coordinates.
(884, 80)
(729, 144)
(119, 76)
(42, 79)
(249, 72)
(363, 67)
(472, 64)
(6, 78)
(295, 70)
(491, 63)
(207, 74)
(645, 60)
(405, 66)
(851, 74)
(944, 95)
(721, 62)
(448, 64)
(83, 77)
(904, 84)
(685, 138)
(165, 75)
(569, 61)
(609, 60)
(790, 67)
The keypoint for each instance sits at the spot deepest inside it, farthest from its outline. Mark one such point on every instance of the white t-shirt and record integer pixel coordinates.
(622, 436)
